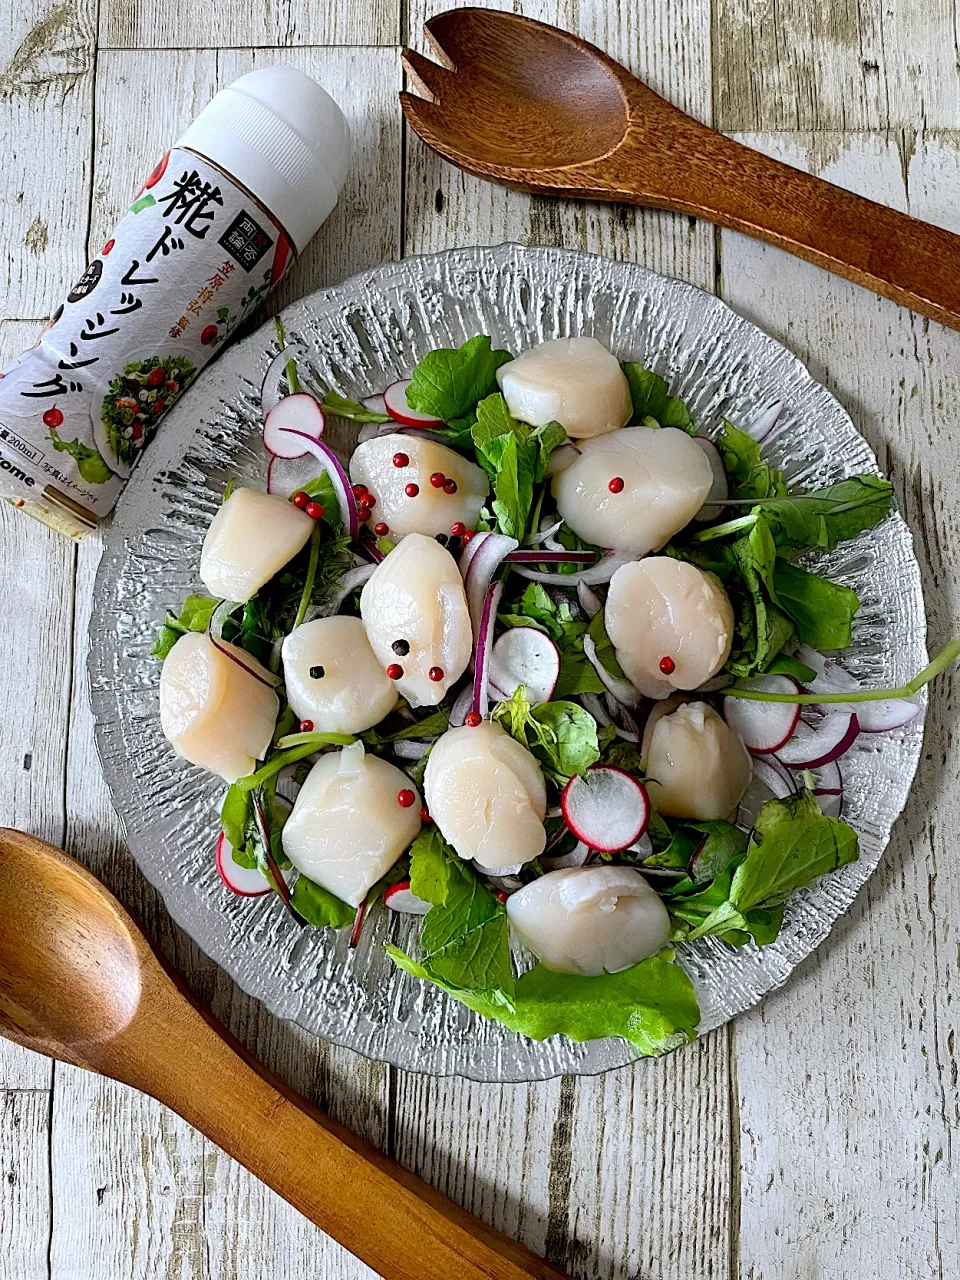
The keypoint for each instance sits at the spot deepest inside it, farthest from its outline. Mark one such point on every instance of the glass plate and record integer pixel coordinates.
(361, 336)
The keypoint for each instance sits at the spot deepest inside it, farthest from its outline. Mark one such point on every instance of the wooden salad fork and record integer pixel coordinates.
(79, 982)
(533, 107)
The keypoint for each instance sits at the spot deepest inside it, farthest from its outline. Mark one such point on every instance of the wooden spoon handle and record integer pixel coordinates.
(381, 1212)
(912, 262)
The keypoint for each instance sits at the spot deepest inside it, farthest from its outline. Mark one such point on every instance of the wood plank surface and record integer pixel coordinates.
(847, 1080)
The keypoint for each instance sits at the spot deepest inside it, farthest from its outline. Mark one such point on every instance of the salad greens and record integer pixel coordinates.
(562, 735)
(449, 384)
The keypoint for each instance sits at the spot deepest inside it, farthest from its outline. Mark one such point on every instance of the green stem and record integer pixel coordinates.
(724, 530)
(944, 659)
(311, 577)
(293, 378)
(316, 740)
(309, 743)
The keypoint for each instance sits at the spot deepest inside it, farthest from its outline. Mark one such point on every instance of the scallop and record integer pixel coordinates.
(590, 920)
(218, 706)
(486, 793)
(348, 826)
(697, 766)
(334, 678)
(632, 490)
(433, 509)
(670, 623)
(250, 539)
(573, 381)
(415, 613)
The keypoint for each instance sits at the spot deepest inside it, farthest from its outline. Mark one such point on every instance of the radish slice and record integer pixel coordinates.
(765, 421)
(565, 455)
(338, 478)
(400, 897)
(810, 748)
(525, 656)
(579, 856)
(764, 726)
(395, 403)
(376, 404)
(590, 602)
(246, 882)
(621, 689)
(874, 717)
(481, 679)
(720, 489)
(602, 571)
(478, 568)
(288, 422)
(829, 780)
(286, 475)
(607, 809)
(771, 780)
(270, 387)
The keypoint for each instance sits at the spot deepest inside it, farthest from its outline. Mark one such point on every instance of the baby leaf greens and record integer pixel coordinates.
(651, 399)
(514, 456)
(449, 383)
(562, 735)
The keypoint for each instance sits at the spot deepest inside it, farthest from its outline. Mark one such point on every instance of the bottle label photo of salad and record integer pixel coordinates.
(191, 258)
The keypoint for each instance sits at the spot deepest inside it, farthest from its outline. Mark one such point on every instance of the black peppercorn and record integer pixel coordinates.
(401, 648)
(316, 673)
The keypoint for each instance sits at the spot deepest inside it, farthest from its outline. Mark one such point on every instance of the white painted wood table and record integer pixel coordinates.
(818, 1137)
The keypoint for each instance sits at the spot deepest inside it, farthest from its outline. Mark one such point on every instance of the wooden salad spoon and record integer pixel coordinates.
(529, 106)
(79, 982)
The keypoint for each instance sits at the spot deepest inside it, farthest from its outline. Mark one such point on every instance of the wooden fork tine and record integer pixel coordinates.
(427, 78)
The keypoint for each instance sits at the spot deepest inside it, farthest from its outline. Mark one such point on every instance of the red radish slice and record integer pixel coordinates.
(874, 717)
(565, 455)
(400, 897)
(395, 400)
(270, 387)
(602, 571)
(338, 478)
(246, 882)
(606, 808)
(811, 748)
(771, 780)
(579, 856)
(764, 726)
(478, 570)
(525, 656)
(621, 689)
(481, 679)
(376, 404)
(720, 489)
(288, 422)
(764, 422)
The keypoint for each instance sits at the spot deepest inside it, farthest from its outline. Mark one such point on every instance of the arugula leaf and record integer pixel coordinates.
(833, 514)
(164, 641)
(723, 845)
(352, 410)
(235, 814)
(509, 457)
(784, 665)
(465, 938)
(651, 398)
(822, 611)
(318, 906)
(449, 383)
(762, 628)
(653, 1005)
(690, 907)
(790, 848)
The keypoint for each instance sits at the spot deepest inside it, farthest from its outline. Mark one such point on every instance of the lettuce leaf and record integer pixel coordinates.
(320, 907)
(561, 734)
(195, 614)
(514, 456)
(822, 611)
(448, 383)
(652, 1005)
(836, 513)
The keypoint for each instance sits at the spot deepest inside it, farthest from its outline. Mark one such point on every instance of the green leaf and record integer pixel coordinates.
(822, 611)
(762, 628)
(653, 1005)
(449, 383)
(195, 615)
(465, 938)
(784, 665)
(622, 755)
(749, 475)
(352, 410)
(235, 814)
(724, 843)
(651, 399)
(510, 458)
(428, 729)
(320, 907)
(434, 867)
(164, 641)
(89, 462)
(833, 514)
(574, 747)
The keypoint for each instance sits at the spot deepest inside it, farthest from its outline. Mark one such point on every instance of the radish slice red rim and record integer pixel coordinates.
(621, 689)
(764, 726)
(523, 655)
(246, 882)
(720, 489)
(874, 717)
(606, 808)
(400, 897)
(810, 748)
(289, 422)
(338, 478)
(602, 571)
(481, 679)
(395, 400)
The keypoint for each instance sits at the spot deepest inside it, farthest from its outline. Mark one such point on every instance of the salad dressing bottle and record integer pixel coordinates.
(214, 227)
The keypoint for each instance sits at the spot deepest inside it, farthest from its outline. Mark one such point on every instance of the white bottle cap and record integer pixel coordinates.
(283, 138)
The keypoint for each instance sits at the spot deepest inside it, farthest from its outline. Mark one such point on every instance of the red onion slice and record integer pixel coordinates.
(764, 422)
(352, 579)
(590, 602)
(219, 617)
(481, 679)
(602, 571)
(546, 533)
(578, 856)
(338, 478)
(480, 569)
(221, 645)
(463, 703)
(621, 689)
(552, 557)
